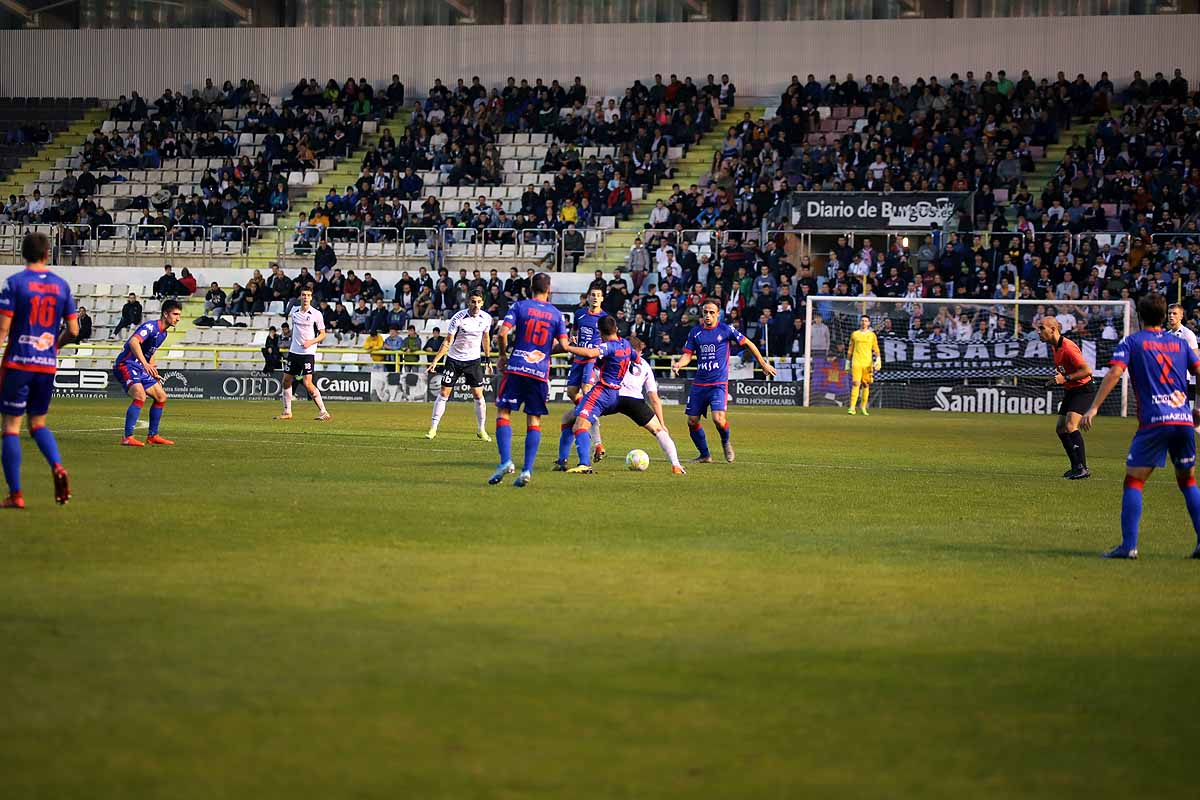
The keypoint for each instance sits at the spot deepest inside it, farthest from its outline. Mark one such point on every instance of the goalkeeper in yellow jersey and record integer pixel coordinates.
(864, 360)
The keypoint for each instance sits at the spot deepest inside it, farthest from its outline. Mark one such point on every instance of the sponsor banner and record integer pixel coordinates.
(196, 384)
(905, 360)
(766, 393)
(994, 400)
(1016, 398)
(86, 383)
(875, 211)
(673, 392)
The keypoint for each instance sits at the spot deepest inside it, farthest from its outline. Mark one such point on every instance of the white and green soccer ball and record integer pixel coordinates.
(637, 460)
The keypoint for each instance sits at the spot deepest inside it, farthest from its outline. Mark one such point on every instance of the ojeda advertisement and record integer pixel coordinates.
(873, 211)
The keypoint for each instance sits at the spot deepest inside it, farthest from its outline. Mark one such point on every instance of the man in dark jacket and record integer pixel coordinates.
(379, 317)
(85, 325)
(167, 285)
(325, 259)
(272, 357)
(131, 315)
(371, 288)
(214, 300)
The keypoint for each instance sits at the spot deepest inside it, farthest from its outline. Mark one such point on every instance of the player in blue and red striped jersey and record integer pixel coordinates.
(1158, 364)
(710, 342)
(539, 327)
(613, 356)
(137, 372)
(581, 376)
(34, 303)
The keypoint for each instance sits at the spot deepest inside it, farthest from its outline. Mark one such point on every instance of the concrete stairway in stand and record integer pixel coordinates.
(26, 174)
(262, 253)
(692, 168)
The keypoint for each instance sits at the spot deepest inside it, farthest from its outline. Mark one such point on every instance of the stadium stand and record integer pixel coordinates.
(1081, 192)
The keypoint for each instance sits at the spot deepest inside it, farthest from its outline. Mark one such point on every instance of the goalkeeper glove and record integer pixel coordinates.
(876, 365)
(847, 365)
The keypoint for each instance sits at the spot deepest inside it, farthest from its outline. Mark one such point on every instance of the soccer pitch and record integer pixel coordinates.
(906, 605)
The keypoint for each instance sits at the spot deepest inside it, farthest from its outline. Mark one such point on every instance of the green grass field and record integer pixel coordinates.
(906, 605)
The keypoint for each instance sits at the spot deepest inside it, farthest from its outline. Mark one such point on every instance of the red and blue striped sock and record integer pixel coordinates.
(47, 444)
(131, 416)
(1131, 512)
(1191, 496)
(533, 440)
(10, 454)
(583, 446)
(156, 412)
(699, 439)
(504, 439)
(565, 438)
(723, 430)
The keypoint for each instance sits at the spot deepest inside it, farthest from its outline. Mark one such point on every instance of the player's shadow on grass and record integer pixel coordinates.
(979, 548)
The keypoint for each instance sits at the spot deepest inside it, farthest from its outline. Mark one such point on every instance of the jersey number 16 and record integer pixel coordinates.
(42, 310)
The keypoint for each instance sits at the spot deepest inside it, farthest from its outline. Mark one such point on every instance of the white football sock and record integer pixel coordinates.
(668, 447)
(287, 400)
(596, 440)
(480, 412)
(439, 408)
(316, 398)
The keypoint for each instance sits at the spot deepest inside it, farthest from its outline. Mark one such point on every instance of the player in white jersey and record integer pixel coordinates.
(638, 399)
(1175, 327)
(308, 331)
(468, 338)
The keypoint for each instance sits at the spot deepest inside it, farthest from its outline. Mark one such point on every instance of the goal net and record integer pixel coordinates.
(951, 355)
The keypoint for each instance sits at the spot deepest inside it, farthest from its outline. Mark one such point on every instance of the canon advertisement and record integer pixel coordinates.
(875, 211)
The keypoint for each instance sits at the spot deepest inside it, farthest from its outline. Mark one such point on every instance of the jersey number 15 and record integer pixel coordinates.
(537, 332)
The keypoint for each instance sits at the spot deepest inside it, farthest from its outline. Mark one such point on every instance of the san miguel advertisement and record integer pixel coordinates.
(1028, 397)
(876, 211)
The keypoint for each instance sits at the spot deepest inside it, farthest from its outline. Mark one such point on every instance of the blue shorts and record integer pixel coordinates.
(703, 398)
(581, 374)
(1150, 447)
(23, 392)
(521, 390)
(597, 402)
(129, 373)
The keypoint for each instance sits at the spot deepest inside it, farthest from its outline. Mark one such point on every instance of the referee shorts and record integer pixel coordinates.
(1077, 400)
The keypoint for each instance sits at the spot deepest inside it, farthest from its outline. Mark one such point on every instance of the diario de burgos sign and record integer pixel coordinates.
(873, 211)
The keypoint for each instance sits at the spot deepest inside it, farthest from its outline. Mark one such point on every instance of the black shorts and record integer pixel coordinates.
(300, 364)
(470, 371)
(1078, 400)
(635, 408)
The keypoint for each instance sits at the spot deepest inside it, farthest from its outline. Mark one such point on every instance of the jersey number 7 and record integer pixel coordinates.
(1165, 363)
(537, 331)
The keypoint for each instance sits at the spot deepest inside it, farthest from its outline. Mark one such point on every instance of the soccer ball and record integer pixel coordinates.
(637, 460)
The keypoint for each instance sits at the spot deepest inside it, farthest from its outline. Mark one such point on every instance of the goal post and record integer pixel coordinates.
(955, 355)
